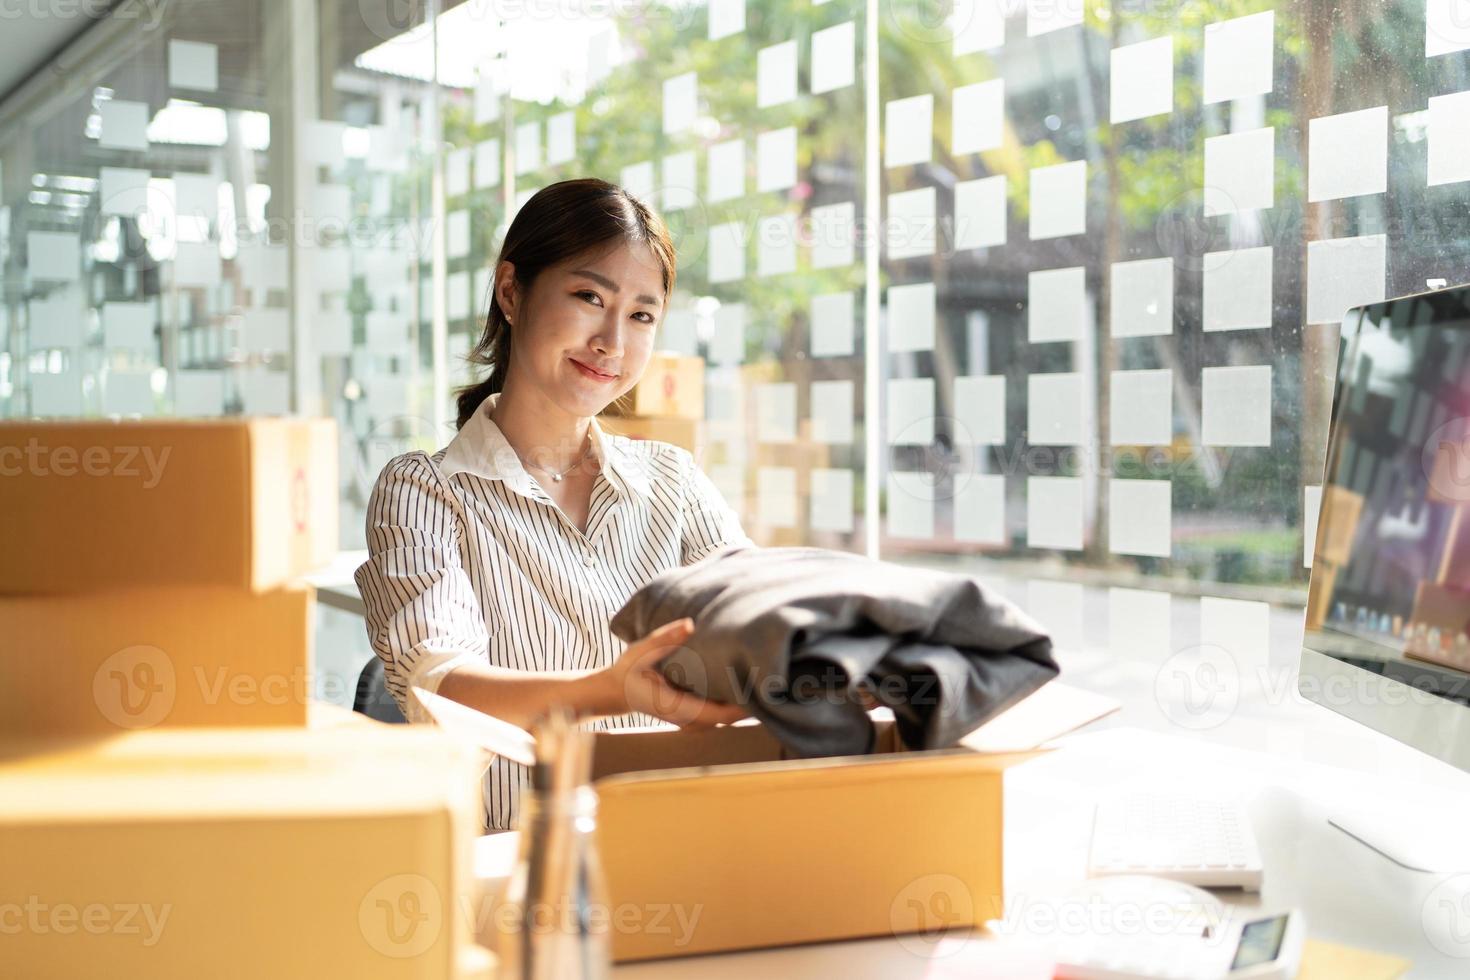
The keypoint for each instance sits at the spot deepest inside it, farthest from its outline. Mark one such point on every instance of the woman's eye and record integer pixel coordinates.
(646, 317)
(590, 297)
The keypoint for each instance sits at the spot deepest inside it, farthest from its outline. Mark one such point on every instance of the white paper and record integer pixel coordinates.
(487, 164)
(1348, 154)
(457, 171)
(980, 410)
(1055, 413)
(1143, 298)
(637, 179)
(681, 95)
(775, 74)
(1446, 27)
(1058, 606)
(1059, 199)
(1311, 512)
(1054, 512)
(199, 393)
(911, 412)
(1139, 625)
(980, 509)
(1142, 408)
(775, 494)
(1238, 57)
(980, 212)
(1240, 172)
(911, 317)
(1343, 273)
(193, 65)
(528, 147)
(1236, 406)
(908, 131)
(1056, 305)
(561, 138)
(775, 153)
(832, 412)
(1142, 80)
(1237, 289)
(832, 324)
(977, 120)
(834, 57)
(53, 255)
(1045, 16)
(129, 326)
(775, 252)
(124, 125)
(831, 500)
(727, 252)
(123, 191)
(726, 17)
(727, 342)
(1140, 516)
(127, 393)
(54, 395)
(1240, 627)
(910, 224)
(726, 175)
(488, 732)
(910, 505)
(833, 233)
(978, 25)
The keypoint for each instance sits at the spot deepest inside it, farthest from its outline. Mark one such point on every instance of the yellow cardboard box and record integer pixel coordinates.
(342, 852)
(248, 503)
(172, 656)
(684, 433)
(672, 386)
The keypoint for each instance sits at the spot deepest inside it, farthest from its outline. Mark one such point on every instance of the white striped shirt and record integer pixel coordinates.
(470, 561)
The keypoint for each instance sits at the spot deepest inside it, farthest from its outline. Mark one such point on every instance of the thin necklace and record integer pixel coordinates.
(555, 476)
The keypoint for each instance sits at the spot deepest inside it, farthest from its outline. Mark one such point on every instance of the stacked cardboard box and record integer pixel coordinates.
(667, 404)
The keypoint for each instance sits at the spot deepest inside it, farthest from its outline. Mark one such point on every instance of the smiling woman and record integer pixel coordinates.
(496, 564)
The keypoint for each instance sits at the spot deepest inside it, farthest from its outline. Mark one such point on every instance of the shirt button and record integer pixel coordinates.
(589, 559)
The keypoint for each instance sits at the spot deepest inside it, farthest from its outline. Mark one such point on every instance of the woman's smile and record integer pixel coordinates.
(592, 373)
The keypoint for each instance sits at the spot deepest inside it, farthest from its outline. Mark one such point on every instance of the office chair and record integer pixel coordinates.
(373, 698)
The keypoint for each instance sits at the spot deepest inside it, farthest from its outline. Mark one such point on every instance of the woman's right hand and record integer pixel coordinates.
(634, 683)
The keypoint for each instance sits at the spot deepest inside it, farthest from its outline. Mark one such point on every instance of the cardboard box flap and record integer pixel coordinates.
(1053, 710)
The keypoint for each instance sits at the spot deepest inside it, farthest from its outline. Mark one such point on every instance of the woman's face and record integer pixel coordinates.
(583, 332)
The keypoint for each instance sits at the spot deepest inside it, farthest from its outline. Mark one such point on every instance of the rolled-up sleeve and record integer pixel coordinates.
(423, 619)
(710, 523)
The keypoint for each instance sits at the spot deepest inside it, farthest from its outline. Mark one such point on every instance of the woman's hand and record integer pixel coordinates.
(633, 683)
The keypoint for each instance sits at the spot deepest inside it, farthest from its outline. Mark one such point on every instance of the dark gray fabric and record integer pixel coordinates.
(792, 633)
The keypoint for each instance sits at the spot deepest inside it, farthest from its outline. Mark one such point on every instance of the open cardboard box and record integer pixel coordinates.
(711, 840)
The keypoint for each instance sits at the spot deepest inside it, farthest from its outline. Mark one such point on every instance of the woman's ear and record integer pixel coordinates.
(507, 295)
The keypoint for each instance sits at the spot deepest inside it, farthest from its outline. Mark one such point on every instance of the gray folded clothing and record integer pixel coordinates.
(793, 635)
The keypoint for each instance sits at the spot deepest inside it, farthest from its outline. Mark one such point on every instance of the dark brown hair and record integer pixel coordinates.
(559, 222)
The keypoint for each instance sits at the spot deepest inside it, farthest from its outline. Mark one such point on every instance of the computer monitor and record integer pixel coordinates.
(1387, 638)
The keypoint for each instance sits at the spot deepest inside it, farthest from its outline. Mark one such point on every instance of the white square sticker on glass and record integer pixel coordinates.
(1238, 57)
(1059, 200)
(725, 179)
(457, 234)
(832, 412)
(1141, 412)
(911, 317)
(129, 326)
(561, 137)
(978, 25)
(1058, 606)
(908, 131)
(1446, 27)
(832, 324)
(457, 296)
(910, 504)
(980, 212)
(775, 74)
(775, 153)
(199, 393)
(834, 57)
(727, 341)
(1449, 138)
(1139, 625)
(53, 255)
(726, 252)
(1054, 517)
(833, 233)
(980, 410)
(457, 171)
(487, 101)
(1143, 298)
(1056, 409)
(726, 17)
(1343, 273)
(1140, 517)
(1348, 154)
(681, 96)
(775, 412)
(1045, 16)
(1056, 304)
(1142, 81)
(193, 65)
(832, 500)
(487, 164)
(911, 412)
(910, 225)
(637, 179)
(528, 147)
(123, 191)
(123, 125)
(1236, 406)
(977, 118)
(680, 181)
(56, 394)
(1237, 288)
(980, 508)
(678, 333)
(775, 245)
(1240, 171)
(775, 495)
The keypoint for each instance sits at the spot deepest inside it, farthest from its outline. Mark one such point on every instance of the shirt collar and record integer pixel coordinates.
(482, 449)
